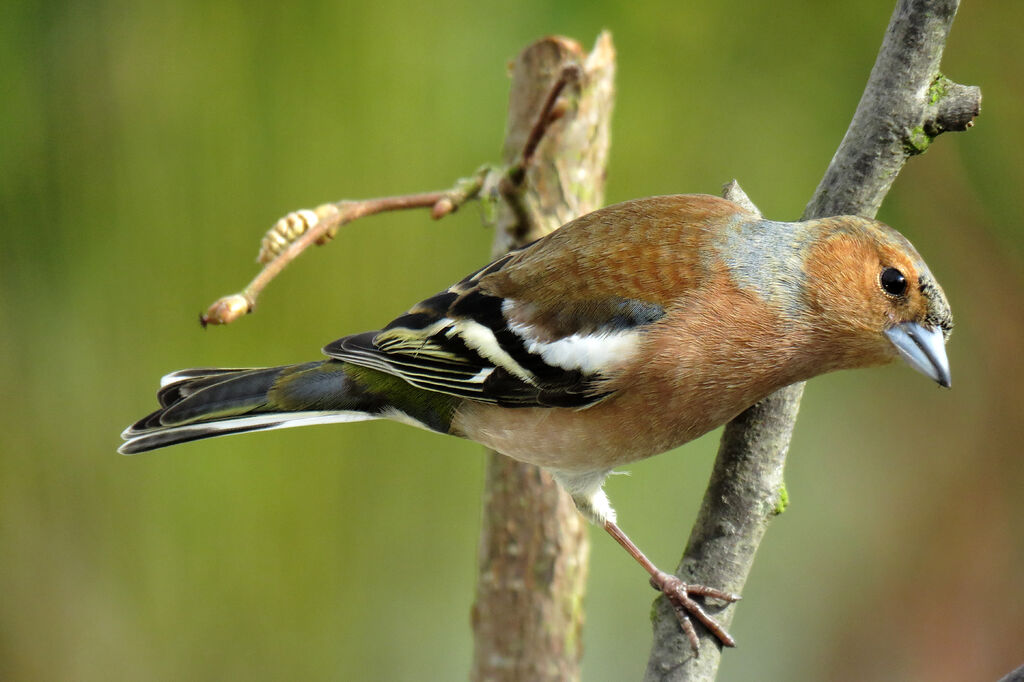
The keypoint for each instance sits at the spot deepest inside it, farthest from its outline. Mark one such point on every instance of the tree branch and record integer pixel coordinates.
(527, 618)
(906, 103)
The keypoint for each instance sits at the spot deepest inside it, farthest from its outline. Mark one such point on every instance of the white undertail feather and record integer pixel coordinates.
(258, 422)
(587, 491)
(396, 415)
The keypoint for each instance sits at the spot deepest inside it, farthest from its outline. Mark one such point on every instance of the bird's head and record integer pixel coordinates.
(868, 285)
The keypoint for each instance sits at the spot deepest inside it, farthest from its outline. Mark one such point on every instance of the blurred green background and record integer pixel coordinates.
(145, 148)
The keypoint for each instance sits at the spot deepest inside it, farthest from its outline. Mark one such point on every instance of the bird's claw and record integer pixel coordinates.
(679, 594)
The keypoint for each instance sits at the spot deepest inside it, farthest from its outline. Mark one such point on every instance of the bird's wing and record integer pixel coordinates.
(467, 342)
(546, 324)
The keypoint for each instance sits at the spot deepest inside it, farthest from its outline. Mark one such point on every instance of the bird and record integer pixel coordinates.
(622, 334)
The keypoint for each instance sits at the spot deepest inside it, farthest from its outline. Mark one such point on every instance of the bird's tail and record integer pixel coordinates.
(201, 403)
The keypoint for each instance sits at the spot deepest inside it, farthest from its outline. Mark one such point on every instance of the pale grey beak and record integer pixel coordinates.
(924, 349)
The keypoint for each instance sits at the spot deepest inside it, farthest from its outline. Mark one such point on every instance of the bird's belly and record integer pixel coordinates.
(601, 437)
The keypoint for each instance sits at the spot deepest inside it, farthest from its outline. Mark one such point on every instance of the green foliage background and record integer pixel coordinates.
(145, 147)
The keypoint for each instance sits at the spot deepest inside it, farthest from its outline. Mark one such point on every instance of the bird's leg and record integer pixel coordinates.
(678, 593)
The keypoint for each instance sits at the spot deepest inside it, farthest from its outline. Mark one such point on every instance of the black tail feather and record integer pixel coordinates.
(202, 403)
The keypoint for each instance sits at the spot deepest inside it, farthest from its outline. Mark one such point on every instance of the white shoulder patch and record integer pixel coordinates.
(595, 352)
(586, 352)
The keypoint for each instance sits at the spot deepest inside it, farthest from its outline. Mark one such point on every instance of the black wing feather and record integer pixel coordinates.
(427, 346)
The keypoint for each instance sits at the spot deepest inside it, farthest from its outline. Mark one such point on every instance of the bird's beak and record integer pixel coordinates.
(924, 349)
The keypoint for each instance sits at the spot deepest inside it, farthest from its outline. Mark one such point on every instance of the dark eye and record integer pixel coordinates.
(893, 281)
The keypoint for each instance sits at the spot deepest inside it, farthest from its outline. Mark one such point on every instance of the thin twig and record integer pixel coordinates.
(299, 230)
(547, 115)
(510, 185)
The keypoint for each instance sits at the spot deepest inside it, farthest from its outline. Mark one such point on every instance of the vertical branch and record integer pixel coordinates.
(527, 618)
(905, 105)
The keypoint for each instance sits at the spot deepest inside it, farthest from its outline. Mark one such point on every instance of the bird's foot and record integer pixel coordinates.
(680, 595)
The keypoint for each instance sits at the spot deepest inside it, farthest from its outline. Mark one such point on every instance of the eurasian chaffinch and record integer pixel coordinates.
(621, 335)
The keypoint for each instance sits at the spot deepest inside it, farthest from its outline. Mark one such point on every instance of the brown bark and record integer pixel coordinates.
(906, 103)
(528, 617)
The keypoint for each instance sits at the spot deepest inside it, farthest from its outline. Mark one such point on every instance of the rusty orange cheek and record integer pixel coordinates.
(841, 273)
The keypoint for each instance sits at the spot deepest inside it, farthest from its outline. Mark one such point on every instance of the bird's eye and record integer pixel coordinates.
(893, 281)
